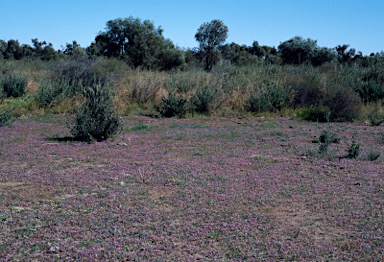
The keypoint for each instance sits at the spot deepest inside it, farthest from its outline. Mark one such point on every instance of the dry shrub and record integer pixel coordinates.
(345, 105)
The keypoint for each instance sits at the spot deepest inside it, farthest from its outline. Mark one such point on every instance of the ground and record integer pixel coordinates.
(208, 189)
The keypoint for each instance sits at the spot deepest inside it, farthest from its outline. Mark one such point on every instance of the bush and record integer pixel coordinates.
(96, 119)
(203, 98)
(172, 106)
(5, 117)
(315, 114)
(325, 140)
(345, 105)
(48, 91)
(353, 150)
(14, 86)
(270, 97)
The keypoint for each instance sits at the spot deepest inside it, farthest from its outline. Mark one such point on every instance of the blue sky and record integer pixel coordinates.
(359, 23)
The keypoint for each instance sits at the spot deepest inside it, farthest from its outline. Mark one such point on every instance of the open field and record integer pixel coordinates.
(208, 189)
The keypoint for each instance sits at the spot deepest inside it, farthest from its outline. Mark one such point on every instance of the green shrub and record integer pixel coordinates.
(172, 106)
(14, 86)
(96, 119)
(203, 98)
(270, 97)
(326, 138)
(316, 114)
(48, 91)
(5, 117)
(353, 150)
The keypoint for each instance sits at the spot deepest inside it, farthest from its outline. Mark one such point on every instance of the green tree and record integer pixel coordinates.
(74, 49)
(210, 37)
(137, 42)
(298, 50)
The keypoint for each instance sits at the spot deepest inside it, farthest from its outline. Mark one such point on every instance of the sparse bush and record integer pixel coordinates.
(373, 154)
(14, 86)
(353, 150)
(203, 98)
(316, 114)
(96, 119)
(308, 94)
(345, 105)
(270, 97)
(172, 106)
(5, 117)
(48, 91)
(326, 139)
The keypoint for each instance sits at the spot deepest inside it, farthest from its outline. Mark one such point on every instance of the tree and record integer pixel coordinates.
(210, 37)
(137, 42)
(298, 50)
(74, 49)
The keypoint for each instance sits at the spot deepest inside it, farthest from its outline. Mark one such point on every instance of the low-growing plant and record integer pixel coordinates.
(202, 99)
(5, 117)
(315, 114)
(48, 91)
(270, 97)
(96, 119)
(172, 106)
(353, 150)
(345, 105)
(373, 154)
(326, 139)
(13, 86)
(380, 137)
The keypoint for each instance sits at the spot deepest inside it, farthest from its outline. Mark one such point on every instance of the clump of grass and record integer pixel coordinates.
(96, 119)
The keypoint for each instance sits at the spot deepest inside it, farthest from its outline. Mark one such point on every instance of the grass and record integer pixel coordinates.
(219, 193)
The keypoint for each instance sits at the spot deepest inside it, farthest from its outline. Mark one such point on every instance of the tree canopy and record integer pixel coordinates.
(137, 42)
(210, 37)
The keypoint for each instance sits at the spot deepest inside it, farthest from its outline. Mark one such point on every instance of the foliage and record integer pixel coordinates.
(172, 106)
(326, 138)
(202, 99)
(210, 37)
(315, 114)
(353, 150)
(137, 42)
(48, 91)
(13, 86)
(298, 51)
(271, 96)
(96, 119)
(5, 117)
(345, 105)
(373, 154)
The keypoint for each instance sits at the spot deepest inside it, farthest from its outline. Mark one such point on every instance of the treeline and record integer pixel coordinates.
(142, 45)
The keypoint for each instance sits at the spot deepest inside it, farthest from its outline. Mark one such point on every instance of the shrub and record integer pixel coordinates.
(203, 98)
(353, 150)
(345, 105)
(316, 114)
(48, 91)
(325, 139)
(172, 106)
(270, 97)
(96, 118)
(14, 86)
(308, 94)
(373, 154)
(5, 117)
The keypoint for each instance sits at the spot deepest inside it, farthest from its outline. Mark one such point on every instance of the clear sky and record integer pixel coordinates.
(359, 23)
